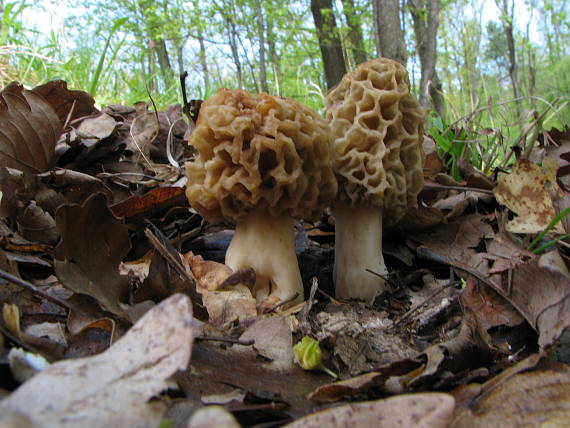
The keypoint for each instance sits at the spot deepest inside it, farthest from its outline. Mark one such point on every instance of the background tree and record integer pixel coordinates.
(388, 32)
(507, 9)
(425, 14)
(329, 41)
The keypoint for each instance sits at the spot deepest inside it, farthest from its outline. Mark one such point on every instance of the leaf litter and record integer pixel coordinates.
(120, 286)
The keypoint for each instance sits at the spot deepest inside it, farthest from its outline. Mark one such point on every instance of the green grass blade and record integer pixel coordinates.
(97, 73)
(550, 226)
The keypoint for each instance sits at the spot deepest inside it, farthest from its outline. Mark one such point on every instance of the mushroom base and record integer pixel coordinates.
(358, 247)
(267, 244)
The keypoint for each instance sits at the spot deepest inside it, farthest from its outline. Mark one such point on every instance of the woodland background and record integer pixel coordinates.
(498, 81)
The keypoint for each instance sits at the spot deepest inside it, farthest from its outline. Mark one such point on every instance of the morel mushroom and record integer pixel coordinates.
(377, 128)
(262, 161)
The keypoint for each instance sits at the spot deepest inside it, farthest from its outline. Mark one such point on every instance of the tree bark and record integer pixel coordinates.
(354, 32)
(163, 58)
(329, 41)
(389, 36)
(261, 36)
(425, 14)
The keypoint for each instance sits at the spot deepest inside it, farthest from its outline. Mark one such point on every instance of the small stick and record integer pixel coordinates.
(226, 339)
(32, 288)
(417, 307)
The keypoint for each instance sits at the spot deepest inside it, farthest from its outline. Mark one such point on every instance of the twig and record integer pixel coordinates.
(127, 174)
(430, 186)
(159, 246)
(226, 339)
(415, 309)
(278, 305)
(32, 288)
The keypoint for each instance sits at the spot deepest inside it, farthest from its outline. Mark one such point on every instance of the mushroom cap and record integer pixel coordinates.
(256, 151)
(377, 128)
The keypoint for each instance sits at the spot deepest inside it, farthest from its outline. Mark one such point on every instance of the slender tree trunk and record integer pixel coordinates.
(202, 57)
(389, 36)
(163, 58)
(261, 35)
(329, 41)
(507, 16)
(232, 36)
(425, 14)
(274, 56)
(354, 32)
(204, 63)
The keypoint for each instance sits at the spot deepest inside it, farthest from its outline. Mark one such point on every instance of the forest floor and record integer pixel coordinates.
(118, 310)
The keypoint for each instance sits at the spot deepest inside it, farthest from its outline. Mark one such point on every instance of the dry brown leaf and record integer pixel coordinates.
(93, 244)
(540, 295)
(93, 129)
(424, 410)
(30, 129)
(520, 398)
(526, 192)
(272, 340)
(112, 388)
(68, 104)
(225, 294)
(491, 308)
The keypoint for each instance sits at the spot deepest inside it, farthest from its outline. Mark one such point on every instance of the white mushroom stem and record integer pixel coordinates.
(358, 247)
(267, 244)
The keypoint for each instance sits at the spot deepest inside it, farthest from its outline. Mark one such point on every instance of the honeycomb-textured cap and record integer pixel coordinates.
(377, 128)
(256, 151)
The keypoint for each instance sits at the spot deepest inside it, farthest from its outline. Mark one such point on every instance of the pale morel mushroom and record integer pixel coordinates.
(262, 161)
(377, 128)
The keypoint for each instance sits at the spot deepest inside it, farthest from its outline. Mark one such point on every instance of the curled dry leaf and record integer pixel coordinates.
(29, 130)
(519, 398)
(68, 104)
(425, 410)
(527, 192)
(112, 388)
(225, 294)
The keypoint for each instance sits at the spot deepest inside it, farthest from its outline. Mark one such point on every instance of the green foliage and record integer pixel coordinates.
(450, 142)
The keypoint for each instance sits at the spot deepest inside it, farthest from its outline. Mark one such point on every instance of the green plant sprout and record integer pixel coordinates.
(309, 356)
(541, 235)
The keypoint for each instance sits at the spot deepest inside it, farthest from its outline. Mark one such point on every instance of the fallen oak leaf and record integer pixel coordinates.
(29, 129)
(422, 410)
(112, 388)
(534, 392)
(526, 192)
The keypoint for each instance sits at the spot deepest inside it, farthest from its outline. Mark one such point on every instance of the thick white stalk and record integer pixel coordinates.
(267, 244)
(358, 247)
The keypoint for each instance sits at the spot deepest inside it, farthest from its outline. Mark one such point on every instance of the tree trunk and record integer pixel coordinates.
(354, 32)
(507, 16)
(274, 56)
(389, 36)
(204, 64)
(232, 36)
(329, 41)
(163, 58)
(202, 57)
(425, 14)
(261, 35)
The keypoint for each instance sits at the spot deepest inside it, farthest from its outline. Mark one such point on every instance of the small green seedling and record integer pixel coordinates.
(309, 356)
